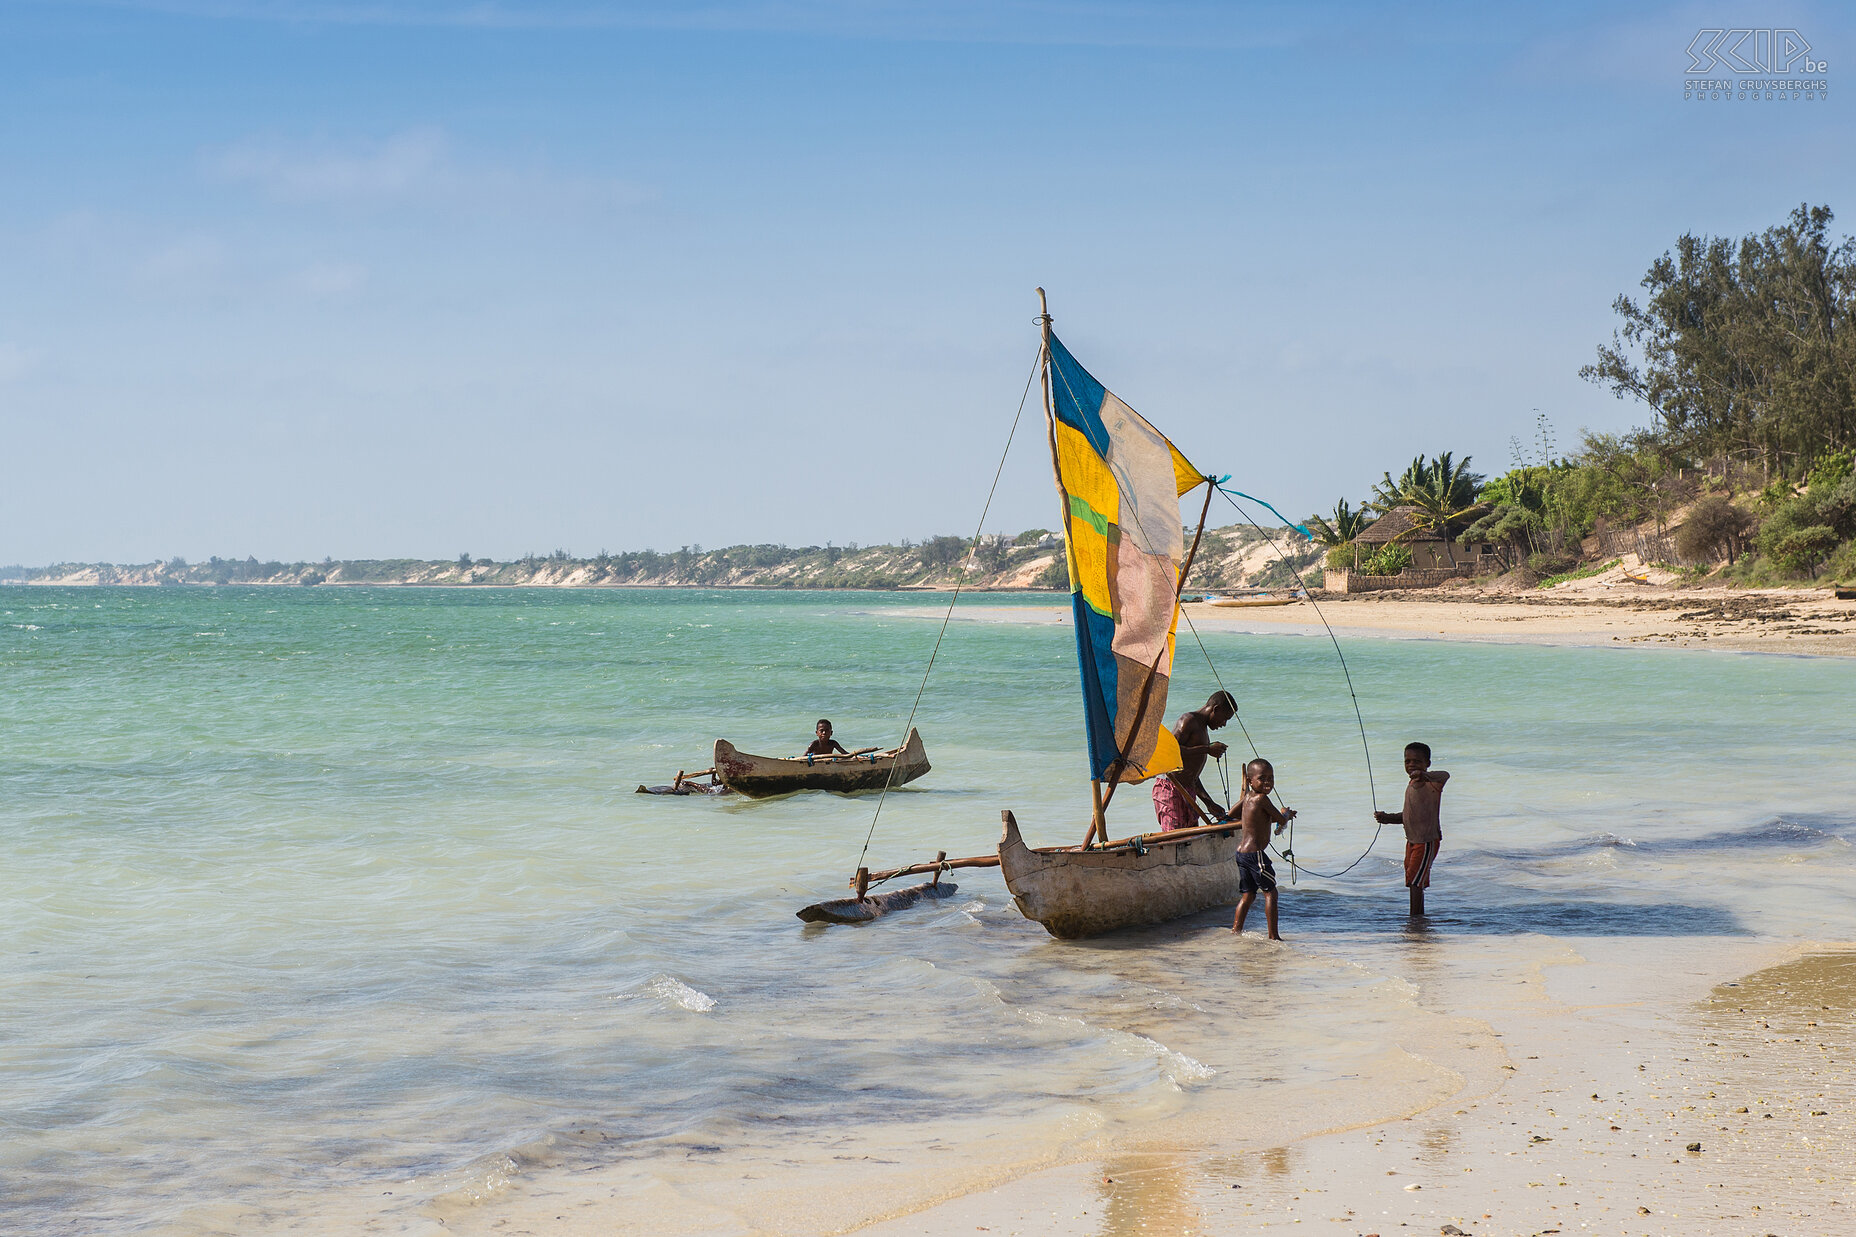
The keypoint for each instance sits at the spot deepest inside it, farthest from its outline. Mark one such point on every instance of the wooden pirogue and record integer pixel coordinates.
(759, 777)
(1119, 482)
(1255, 601)
(1077, 891)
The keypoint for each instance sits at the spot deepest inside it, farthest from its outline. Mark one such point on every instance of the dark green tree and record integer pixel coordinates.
(1744, 348)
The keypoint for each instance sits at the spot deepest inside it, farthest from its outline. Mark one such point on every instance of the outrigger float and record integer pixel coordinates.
(1119, 482)
(689, 784)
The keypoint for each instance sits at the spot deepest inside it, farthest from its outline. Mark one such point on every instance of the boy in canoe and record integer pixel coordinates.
(824, 745)
(1174, 792)
(1424, 833)
(1255, 874)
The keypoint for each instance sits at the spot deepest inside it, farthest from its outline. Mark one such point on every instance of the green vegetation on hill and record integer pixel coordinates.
(1744, 353)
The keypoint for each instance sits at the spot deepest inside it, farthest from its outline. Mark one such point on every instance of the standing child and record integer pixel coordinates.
(1256, 814)
(1424, 832)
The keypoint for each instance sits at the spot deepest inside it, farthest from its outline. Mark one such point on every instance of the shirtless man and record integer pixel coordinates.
(1174, 793)
(1256, 813)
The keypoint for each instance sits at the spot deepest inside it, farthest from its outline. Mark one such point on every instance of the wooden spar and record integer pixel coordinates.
(1098, 823)
(1147, 688)
(939, 857)
(1171, 837)
(977, 861)
(862, 882)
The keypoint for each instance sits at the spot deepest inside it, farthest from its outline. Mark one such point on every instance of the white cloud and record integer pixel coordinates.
(413, 167)
(189, 262)
(329, 278)
(397, 167)
(15, 362)
(1177, 23)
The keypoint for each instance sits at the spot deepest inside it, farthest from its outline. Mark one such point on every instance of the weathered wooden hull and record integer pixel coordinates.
(759, 777)
(1078, 893)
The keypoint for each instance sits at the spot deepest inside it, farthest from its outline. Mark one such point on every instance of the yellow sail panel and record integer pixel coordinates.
(1185, 476)
(1120, 480)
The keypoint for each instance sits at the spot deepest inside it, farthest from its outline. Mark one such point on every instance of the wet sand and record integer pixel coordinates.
(1570, 1083)
(1587, 1119)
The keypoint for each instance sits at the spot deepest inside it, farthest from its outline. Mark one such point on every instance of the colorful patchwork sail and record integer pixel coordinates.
(1120, 482)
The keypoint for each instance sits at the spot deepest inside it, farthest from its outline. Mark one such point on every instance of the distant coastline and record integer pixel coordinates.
(1236, 557)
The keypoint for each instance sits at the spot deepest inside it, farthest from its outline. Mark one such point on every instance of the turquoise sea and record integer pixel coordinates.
(337, 907)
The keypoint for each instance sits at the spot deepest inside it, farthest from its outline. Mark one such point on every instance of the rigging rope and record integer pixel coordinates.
(1224, 773)
(959, 583)
(1372, 788)
(1287, 852)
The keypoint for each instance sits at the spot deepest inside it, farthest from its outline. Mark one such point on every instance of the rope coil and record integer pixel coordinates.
(1288, 852)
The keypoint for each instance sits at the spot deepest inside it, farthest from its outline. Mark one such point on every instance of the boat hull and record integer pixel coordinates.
(1234, 602)
(1078, 893)
(759, 777)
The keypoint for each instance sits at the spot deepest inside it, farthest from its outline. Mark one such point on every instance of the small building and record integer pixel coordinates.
(1400, 524)
(1431, 555)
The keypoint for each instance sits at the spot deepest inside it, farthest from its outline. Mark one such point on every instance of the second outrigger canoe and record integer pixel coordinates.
(1262, 600)
(759, 777)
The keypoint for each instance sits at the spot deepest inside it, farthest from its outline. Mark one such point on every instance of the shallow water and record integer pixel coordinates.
(342, 899)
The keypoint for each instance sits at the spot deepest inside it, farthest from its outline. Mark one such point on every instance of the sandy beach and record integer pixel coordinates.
(1795, 621)
(1607, 1085)
(1708, 1106)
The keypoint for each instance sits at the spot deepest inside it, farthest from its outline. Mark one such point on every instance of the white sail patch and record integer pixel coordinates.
(1142, 462)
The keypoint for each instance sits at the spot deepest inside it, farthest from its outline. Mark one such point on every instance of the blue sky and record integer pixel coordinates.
(380, 277)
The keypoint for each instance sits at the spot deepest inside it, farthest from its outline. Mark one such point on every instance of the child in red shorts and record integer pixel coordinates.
(1423, 830)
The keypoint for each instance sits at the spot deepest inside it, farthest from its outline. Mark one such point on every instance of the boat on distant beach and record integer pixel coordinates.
(759, 777)
(1259, 599)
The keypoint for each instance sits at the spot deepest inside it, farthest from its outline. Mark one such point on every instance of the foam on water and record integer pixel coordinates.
(680, 994)
(350, 909)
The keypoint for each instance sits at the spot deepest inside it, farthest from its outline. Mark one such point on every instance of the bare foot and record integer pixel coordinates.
(1274, 937)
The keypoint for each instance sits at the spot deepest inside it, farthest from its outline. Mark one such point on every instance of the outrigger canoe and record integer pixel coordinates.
(759, 777)
(1119, 482)
(1255, 601)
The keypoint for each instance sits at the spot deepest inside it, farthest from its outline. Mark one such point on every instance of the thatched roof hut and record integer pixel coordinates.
(1399, 524)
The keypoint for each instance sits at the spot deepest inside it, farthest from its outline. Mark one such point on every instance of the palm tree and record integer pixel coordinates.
(1346, 525)
(1441, 491)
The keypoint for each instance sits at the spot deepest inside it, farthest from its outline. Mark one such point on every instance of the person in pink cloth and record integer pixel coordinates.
(1175, 792)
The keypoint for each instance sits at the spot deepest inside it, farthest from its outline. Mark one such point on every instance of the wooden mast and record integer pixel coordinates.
(1098, 826)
